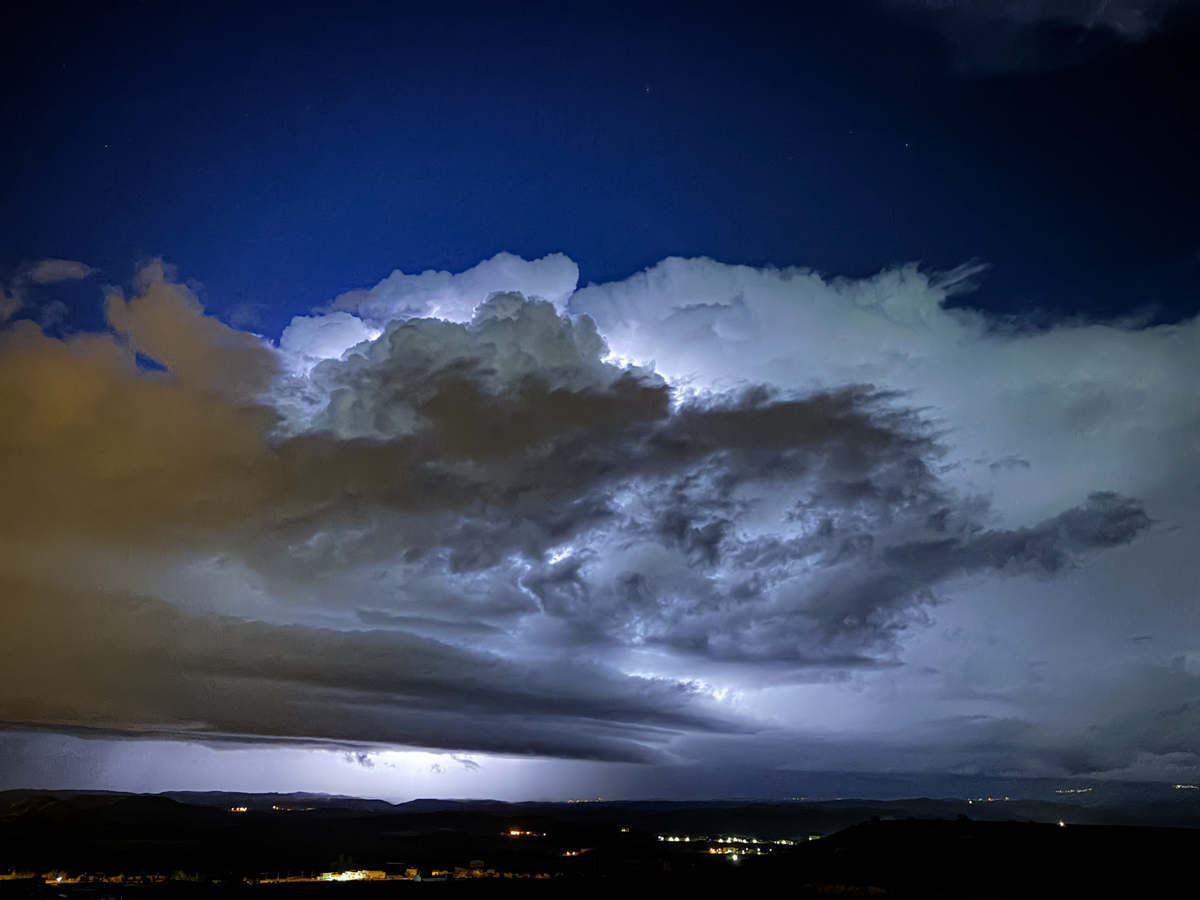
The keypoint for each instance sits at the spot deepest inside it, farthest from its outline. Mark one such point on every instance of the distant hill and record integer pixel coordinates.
(918, 847)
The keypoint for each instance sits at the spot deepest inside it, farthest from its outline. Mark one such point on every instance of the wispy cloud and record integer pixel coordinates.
(992, 36)
(47, 271)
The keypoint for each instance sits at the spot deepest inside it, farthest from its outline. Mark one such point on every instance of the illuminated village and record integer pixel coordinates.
(734, 847)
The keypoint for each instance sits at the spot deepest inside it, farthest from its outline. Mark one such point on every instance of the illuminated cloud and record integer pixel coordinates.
(637, 521)
(1033, 419)
(454, 297)
(136, 666)
(309, 340)
(167, 324)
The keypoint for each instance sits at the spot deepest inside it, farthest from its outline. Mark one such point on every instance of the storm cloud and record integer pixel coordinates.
(488, 512)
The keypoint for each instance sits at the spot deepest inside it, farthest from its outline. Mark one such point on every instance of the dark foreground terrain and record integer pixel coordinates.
(110, 845)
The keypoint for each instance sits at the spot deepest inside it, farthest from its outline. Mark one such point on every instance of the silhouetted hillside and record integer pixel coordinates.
(184, 844)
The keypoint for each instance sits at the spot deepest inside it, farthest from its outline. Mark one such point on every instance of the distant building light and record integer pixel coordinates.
(353, 875)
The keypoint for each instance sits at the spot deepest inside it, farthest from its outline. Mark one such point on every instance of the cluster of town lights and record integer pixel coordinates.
(677, 838)
(64, 879)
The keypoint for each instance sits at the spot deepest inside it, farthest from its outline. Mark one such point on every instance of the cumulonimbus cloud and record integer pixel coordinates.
(396, 526)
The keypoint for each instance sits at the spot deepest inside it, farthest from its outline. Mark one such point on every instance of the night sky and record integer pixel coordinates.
(541, 401)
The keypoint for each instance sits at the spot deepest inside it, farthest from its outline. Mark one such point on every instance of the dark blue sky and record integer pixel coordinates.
(280, 154)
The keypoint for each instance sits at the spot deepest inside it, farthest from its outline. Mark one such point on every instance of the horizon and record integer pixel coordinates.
(1107, 799)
